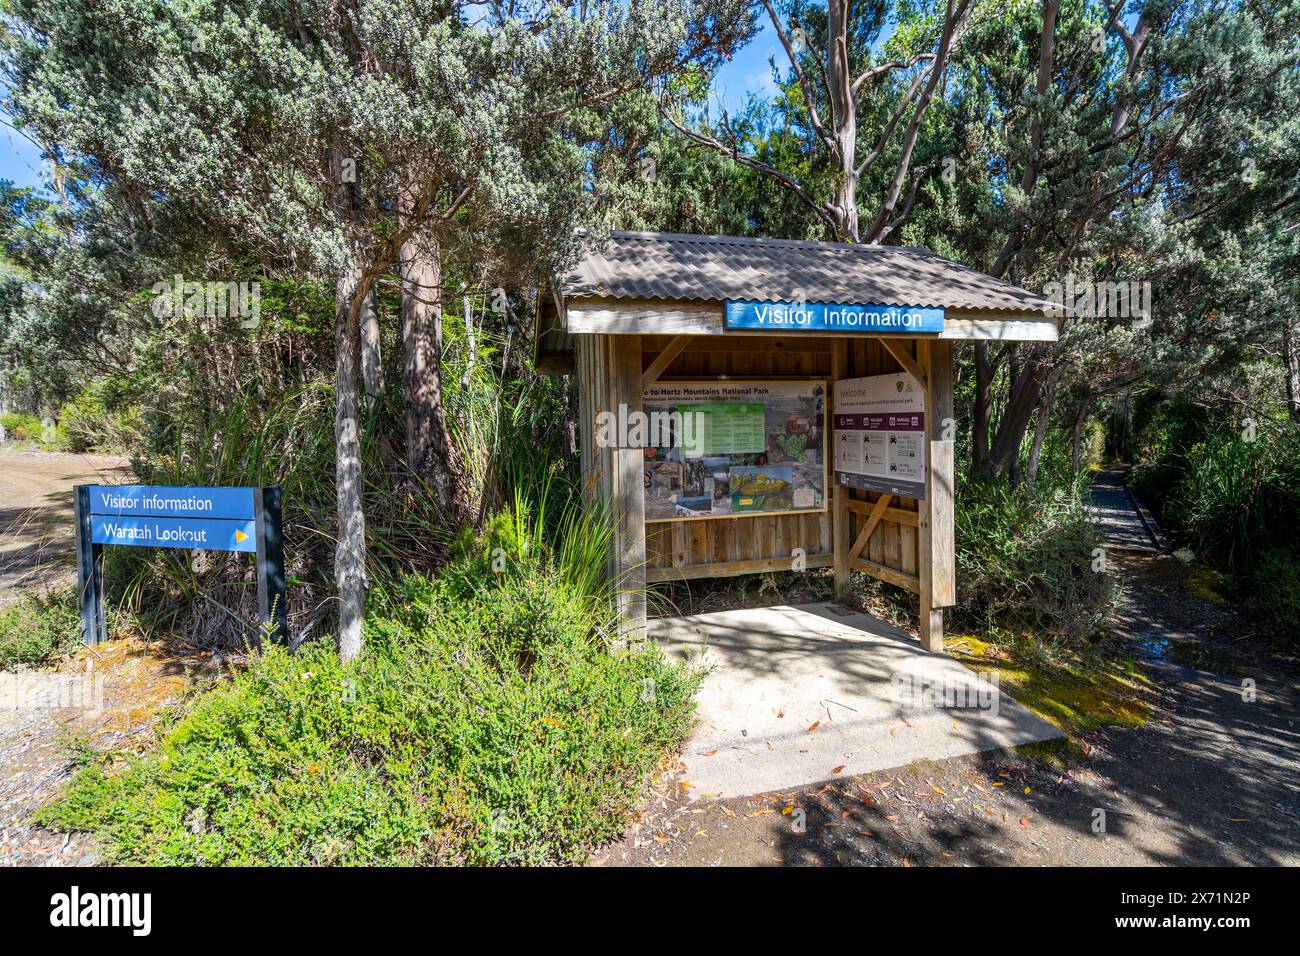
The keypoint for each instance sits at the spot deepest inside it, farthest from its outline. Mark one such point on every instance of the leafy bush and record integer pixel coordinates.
(1275, 602)
(38, 628)
(1025, 559)
(91, 422)
(19, 426)
(1237, 497)
(487, 722)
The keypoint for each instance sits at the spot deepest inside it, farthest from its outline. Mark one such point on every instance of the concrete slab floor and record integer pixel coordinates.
(798, 695)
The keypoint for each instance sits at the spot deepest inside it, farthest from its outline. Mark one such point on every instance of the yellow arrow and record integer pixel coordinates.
(239, 536)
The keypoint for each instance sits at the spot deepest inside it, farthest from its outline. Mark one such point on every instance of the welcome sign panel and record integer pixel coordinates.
(718, 449)
(880, 437)
(832, 317)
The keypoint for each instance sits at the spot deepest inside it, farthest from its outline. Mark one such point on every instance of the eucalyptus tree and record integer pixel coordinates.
(349, 137)
(840, 85)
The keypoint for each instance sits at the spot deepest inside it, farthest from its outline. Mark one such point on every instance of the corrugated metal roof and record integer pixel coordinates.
(661, 265)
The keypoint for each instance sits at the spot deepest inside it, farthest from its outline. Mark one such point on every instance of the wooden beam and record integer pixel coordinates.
(897, 515)
(664, 359)
(999, 326)
(554, 363)
(629, 492)
(729, 569)
(612, 316)
(910, 365)
(936, 564)
(872, 520)
(840, 497)
(888, 575)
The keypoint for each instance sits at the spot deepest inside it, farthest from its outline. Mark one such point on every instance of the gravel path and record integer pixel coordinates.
(37, 533)
(1213, 779)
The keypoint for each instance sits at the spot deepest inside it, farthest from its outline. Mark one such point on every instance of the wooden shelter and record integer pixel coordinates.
(745, 344)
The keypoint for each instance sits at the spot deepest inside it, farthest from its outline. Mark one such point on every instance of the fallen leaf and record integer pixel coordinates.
(814, 726)
(728, 811)
(706, 753)
(837, 769)
(687, 786)
(936, 789)
(1024, 821)
(785, 812)
(759, 813)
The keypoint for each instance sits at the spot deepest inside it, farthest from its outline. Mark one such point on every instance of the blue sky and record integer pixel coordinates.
(20, 160)
(748, 71)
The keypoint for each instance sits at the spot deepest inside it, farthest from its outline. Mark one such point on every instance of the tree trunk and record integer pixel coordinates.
(372, 364)
(350, 550)
(983, 407)
(1291, 359)
(428, 443)
(1080, 417)
(1020, 409)
(844, 205)
(1040, 432)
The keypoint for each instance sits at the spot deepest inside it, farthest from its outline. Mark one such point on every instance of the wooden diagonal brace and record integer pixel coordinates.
(663, 360)
(877, 512)
(909, 364)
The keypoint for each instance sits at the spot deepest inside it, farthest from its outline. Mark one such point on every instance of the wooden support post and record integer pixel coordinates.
(840, 515)
(935, 526)
(629, 490)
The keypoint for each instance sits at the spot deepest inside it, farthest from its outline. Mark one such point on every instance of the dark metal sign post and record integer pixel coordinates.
(159, 516)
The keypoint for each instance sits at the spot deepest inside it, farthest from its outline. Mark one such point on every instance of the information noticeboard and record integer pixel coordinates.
(879, 442)
(727, 449)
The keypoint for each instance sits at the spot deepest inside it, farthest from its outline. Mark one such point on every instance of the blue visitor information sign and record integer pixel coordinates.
(165, 516)
(160, 516)
(832, 317)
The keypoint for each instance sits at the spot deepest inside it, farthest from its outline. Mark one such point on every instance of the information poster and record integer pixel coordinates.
(734, 448)
(880, 438)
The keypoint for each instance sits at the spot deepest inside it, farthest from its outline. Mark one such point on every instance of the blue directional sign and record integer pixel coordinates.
(211, 534)
(161, 516)
(164, 516)
(832, 317)
(172, 502)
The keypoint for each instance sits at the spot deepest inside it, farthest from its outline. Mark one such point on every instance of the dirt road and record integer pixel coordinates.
(36, 514)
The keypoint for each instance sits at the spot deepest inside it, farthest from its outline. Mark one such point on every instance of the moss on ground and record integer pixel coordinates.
(1206, 583)
(1076, 693)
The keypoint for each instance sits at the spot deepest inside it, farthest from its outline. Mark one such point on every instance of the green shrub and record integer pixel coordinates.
(37, 628)
(1275, 600)
(19, 426)
(1025, 559)
(89, 422)
(487, 722)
